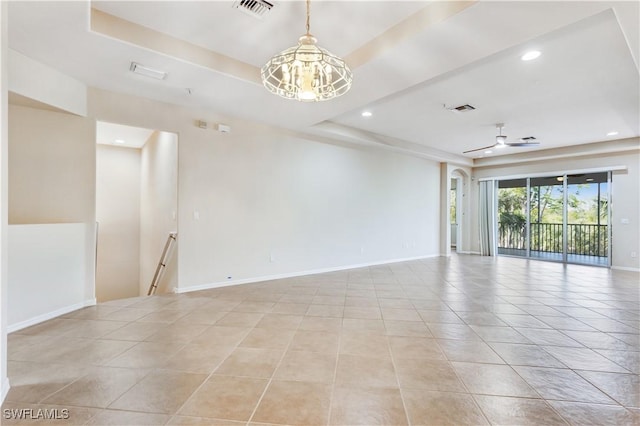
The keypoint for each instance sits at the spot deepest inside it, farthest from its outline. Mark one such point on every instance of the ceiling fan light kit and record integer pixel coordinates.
(501, 139)
(307, 72)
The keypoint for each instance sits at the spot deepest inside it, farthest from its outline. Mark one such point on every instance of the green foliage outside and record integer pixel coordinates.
(452, 206)
(584, 208)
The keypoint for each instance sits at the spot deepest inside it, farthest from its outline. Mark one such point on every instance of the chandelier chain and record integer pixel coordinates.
(308, 16)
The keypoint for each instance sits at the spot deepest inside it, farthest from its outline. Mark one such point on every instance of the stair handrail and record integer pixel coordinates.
(162, 263)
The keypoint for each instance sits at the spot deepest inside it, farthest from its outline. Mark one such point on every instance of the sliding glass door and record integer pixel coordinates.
(512, 217)
(588, 218)
(546, 218)
(558, 218)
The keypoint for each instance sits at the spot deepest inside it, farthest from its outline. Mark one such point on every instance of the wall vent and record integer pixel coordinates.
(255, 8)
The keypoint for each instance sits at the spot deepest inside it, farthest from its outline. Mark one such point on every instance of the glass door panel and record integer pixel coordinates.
(512, 217)
(587, 218)
(546, 218)
(453, 212)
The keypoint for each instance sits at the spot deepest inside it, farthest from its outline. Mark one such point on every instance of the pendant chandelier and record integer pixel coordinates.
(306, 72)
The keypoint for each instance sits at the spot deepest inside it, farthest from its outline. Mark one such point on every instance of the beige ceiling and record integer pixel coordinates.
(410, 60)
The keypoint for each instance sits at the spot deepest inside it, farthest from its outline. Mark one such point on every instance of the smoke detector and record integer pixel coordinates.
(255, 8)
(223, 128)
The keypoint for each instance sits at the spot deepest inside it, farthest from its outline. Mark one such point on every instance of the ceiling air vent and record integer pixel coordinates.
(255, 8)
(462, 108)
(147, 72)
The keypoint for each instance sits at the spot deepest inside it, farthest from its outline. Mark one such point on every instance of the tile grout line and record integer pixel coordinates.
(170, 415)
(335, 370)
(266, 388)
(464, 385)
(177, 411)
(395, 370)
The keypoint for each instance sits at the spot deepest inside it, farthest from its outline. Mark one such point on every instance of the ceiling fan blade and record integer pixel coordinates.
(479, 149)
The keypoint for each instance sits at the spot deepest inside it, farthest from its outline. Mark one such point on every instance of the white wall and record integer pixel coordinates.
(52, 168)
(44, 84)
(625, 195)
(118, 215)
(52, 179)
(273, 203)
(47, 272)
(4, 142)
(158, 209)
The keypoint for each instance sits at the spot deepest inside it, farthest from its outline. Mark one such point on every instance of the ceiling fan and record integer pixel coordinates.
(501, 141)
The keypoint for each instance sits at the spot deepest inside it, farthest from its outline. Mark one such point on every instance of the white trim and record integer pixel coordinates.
(293, 274)
(4, 389)
(554, 173)
(625, 268)
(49, 315)
(469, 252)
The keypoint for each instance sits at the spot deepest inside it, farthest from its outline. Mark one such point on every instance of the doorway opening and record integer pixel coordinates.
(453, 213)
(136, 209)
(457, 208)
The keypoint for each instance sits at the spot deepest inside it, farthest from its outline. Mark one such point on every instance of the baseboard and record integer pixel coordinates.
(625, 268)
(459, 252)
(293, 274)
(4, 389)
(49, 315)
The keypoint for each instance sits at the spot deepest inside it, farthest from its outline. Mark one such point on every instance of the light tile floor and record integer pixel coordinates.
(464, 340)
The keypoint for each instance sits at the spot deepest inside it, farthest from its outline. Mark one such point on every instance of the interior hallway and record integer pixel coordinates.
(460, 340)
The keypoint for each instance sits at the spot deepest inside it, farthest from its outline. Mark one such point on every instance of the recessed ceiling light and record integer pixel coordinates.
(614, 133)
(531, 55)
(367, 113)
(488, 151)
(119, 141)
(589, 179)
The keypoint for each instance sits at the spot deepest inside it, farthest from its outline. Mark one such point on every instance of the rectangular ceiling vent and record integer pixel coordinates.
(462, 108)
(136, 68)
(255, 8)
